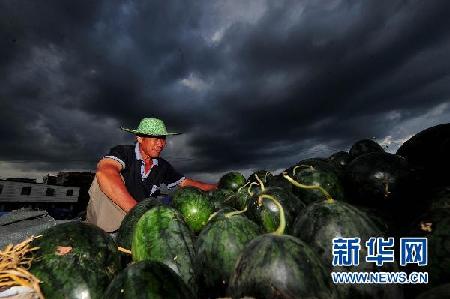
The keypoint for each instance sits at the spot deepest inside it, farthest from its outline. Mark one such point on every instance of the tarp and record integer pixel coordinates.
(18, 225)
(19, 292)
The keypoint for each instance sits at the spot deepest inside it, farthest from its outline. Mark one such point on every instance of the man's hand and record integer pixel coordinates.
(203, 186)
(111, 183)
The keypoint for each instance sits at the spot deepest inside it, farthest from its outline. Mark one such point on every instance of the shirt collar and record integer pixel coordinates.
(139, 157)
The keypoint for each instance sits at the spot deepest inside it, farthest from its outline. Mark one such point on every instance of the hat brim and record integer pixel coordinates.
(137, 132)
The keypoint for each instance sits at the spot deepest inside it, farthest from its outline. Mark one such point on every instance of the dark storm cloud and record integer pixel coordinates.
(340, 68)
(38, 50)
(253, 84)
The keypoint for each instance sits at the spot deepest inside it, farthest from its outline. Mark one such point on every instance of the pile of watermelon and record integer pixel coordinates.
(268, 235)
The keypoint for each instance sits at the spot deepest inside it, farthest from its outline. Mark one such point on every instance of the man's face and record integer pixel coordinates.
(152, 146)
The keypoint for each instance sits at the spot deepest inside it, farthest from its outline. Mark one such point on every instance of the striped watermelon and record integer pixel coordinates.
(280, 266)
(75, 260)
(322, 221)
(162, 235)
(148, 280)
(218, 247)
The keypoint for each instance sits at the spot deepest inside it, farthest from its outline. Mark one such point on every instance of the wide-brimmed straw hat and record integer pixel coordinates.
(150, 127)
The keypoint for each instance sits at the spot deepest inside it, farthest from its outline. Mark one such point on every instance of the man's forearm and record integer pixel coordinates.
(203, 186)
(114, 188)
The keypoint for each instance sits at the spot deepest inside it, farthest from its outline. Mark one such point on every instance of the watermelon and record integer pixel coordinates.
(385, 182)
(239, 199)
(263, 211)
(162, 235)
(315, 182)
(227, 198)
(231, 181)
(322, 221)
(340, 159)
(435, 226)
(218, 247)
(267, 179)
(75, 260)
(428, 153)
(440, 198)
(220, 198)
(280, 266)
(234, 198)
(148, 280)
(364, 146)
(439, 292)
(125, 232)
(255, 179)
(279, 181)
(194, 205)
(274, 266)
(376, 177)
(318, 163)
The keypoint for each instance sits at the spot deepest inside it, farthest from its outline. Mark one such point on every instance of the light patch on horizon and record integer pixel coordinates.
(391, 144)
(278, 170)
(405, 130)
(34, 169)
(21, 169)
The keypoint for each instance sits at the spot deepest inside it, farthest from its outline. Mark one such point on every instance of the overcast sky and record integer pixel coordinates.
(252, 84)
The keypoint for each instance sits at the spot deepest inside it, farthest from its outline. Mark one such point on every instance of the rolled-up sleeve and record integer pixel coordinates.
(172, 177)
(118, 154)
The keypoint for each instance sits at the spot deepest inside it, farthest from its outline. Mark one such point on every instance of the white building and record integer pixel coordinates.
(28, 193)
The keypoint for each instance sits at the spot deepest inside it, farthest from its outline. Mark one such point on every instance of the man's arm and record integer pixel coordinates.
(203, 186)
(111, 183)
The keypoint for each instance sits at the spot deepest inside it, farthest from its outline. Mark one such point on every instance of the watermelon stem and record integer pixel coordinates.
(231, 214)
(212, 215)
(249, 187)
(282, 226)
(260, 183)
(228, 198)
(249, 184)
(302, 166)
(124, 250)
(240, 188)
(303, 186)
(426, 226)
(386, 188)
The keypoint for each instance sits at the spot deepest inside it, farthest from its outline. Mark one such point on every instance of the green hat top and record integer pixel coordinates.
(150, 127)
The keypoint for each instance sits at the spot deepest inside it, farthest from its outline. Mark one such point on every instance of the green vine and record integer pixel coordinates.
(231, 214)
(303, 186)
(260, 183)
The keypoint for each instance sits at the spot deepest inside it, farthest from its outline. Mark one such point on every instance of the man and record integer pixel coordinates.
(131, 173)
